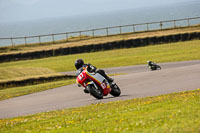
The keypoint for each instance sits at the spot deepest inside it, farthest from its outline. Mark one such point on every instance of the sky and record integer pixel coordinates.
(23, 10)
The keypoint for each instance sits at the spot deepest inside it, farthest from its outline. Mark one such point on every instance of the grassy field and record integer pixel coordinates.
(172, 52)
(172, 113)
(24, 73)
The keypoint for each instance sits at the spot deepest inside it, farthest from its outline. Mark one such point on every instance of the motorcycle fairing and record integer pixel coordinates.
(99, 79)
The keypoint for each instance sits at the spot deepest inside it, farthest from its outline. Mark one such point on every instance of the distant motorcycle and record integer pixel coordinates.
(153, 66)
(96, 84)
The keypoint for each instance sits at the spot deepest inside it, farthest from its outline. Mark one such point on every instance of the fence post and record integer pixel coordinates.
(53, 38)
(93, 33)
(133, 28)
(174, 23)
(12, 41)
(161, 25)
(67, 37)
(107, 31)
(25, 40)
(80, 35)
(120, 29)
(39, 40)
(188, 22)
(147, 26)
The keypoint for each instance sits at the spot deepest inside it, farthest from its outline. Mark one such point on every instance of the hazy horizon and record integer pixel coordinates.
(28, 10)
(30, 26)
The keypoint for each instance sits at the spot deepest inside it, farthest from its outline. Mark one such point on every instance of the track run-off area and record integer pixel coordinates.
(134, 81)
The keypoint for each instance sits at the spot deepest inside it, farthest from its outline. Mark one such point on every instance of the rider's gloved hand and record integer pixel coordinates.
(91, 68)
(79, 85)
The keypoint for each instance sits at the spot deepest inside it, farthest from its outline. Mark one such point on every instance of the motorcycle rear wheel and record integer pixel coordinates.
(95, 92)
(153, 68)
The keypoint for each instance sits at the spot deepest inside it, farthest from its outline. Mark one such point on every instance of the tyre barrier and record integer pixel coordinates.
(100, 47)
(33, 81)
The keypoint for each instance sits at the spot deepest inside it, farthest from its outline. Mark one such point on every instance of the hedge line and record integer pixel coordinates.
(105, 46)
(33, 81)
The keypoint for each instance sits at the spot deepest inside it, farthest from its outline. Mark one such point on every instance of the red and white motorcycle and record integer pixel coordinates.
(97, 85)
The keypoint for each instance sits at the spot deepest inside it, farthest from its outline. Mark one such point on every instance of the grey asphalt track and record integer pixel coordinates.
(139, 82)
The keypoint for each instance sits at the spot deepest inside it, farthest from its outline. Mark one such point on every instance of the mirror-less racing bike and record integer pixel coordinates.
(96, 85)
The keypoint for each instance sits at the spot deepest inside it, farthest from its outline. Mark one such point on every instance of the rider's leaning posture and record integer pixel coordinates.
(150, 63)
(79, 64)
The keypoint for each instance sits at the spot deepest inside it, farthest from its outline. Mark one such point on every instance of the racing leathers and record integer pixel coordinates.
(91, 69)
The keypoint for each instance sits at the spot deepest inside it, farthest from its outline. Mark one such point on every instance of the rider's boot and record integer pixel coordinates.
(102, 72)
(110, 79)
(86, 90)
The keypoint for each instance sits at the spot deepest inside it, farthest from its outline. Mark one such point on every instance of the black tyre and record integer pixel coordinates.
(95, 92)
(115, 90)
(153, 68)
(158, 67)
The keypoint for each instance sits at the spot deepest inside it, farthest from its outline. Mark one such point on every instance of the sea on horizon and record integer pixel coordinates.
(94, 21)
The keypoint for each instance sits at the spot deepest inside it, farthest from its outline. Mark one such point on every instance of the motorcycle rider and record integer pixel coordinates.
(79, 64)
(150, 63)
(153, 66)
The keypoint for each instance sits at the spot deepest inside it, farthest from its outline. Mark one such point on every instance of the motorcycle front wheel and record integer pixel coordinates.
(158, 67)
(115, 90)
(95, 92)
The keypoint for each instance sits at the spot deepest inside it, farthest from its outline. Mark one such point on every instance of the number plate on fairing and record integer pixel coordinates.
(81, 76)
(103, 85)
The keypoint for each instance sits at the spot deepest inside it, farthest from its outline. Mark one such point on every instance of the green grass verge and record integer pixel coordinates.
(180, 51)
(19, 91)
(20, 73)
(176, 113)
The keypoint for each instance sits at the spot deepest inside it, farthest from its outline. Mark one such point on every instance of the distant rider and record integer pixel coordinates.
(150, 63)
